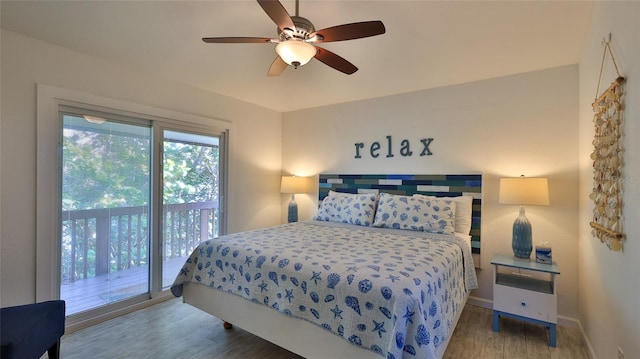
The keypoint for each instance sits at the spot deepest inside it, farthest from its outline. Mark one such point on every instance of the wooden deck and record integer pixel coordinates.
(85, 294)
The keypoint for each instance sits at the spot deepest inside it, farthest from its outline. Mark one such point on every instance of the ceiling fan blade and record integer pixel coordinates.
(277, 13)
(277, 67)
(351, 31)
(236, 40)
(330, 59)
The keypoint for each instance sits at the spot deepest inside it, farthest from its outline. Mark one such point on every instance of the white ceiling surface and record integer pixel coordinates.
(427, 44)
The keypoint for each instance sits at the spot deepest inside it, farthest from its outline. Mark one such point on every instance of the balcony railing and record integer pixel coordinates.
(102, 241)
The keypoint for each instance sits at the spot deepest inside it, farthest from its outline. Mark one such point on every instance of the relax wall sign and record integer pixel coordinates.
(387, 149)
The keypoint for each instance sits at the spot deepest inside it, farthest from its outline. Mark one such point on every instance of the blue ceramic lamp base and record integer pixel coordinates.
(293, 210)
(522, 243)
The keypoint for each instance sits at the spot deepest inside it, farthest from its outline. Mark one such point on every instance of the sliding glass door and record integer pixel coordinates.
(190, 196)
(136, 197)
(105, 207)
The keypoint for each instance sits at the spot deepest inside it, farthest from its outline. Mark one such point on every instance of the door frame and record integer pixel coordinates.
(157, 189)
(48, 185)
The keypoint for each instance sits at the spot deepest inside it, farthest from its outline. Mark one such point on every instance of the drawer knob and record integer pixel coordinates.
(524, 304)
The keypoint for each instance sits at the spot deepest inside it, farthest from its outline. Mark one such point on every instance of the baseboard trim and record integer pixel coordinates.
(592, 353)
(480, 302)
(568, 321)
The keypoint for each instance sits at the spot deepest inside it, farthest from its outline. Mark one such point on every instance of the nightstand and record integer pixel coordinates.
(525, 289)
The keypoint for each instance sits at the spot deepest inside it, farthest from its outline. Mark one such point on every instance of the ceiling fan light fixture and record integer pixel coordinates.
(94, 119)
(295, 52)
(297, 36)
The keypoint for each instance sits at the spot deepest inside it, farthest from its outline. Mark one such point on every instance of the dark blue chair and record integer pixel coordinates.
(27, 331)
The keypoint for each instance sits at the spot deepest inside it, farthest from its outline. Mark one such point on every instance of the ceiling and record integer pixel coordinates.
(427, 44)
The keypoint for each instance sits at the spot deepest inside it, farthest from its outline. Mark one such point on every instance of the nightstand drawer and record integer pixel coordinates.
(526, 303)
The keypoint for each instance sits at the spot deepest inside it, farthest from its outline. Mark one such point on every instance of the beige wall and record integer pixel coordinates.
(523, 124)
(255, 153)
(609, 281)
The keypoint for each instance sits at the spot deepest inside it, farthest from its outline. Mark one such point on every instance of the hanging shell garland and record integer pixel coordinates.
(607, 159)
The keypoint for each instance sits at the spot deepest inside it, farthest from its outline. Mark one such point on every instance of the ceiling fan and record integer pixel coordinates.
(297, 39)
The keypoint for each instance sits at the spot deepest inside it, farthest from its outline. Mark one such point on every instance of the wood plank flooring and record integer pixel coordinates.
(176, 330)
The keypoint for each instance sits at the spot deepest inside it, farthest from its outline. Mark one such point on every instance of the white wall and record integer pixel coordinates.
(255, 153)
(609, 283)
(523, 124)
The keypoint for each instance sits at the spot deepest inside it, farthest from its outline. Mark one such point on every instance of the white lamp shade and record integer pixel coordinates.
(295, 51)
(294, 184)
(524, 191)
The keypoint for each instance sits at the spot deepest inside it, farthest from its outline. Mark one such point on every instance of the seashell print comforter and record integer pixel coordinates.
(394, 292)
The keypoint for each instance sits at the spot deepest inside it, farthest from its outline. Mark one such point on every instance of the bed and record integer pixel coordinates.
(379, 272)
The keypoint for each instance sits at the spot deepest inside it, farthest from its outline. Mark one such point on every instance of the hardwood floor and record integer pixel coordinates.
(176, 330)
(473, 338)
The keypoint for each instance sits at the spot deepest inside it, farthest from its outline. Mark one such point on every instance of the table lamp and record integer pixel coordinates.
(523, 191)
(293, 185)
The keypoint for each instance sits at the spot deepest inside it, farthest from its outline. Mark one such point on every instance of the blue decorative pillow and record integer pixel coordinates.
(426, 214)
(350, 208)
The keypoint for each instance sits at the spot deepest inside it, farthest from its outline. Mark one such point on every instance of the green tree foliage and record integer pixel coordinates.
(108, 166)
(104, 171)
(190, 173)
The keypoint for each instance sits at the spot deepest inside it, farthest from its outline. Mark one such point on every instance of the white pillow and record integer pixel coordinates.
(350, 208)
(464, 209)
(426, 214)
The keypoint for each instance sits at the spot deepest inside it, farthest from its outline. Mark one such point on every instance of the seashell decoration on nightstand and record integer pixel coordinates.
(608, 162)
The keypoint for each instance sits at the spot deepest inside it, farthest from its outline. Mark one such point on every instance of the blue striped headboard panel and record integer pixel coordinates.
(433, 185)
